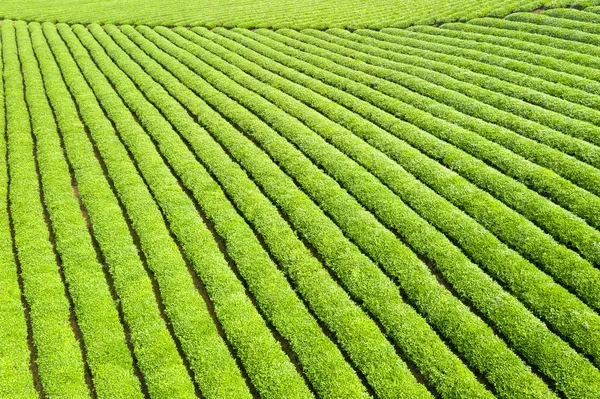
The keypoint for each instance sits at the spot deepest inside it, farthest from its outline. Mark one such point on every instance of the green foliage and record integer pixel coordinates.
(297, 14)
(409, 330)
(15, 376)
(59, 358)
(154, 348)
(106, 351)
(354, 331)
(299, 213)
(379, 202)
(517, 196)
(544, 108)
(273, 373)
(531, 286)
(283, 245)
(549, 184)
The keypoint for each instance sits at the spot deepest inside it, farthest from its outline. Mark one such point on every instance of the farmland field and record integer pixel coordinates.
(300, 199)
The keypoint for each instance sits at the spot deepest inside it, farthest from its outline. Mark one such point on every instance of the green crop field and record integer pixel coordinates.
(299, 199)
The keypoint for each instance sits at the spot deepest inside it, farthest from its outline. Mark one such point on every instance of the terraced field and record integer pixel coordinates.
(352, 205)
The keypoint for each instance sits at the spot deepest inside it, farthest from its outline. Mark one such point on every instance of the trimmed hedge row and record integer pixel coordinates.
(107, 354)
(16, 379)
(539, 34)
(537, 72)
(59, 357)
(483, 79)
(532, 287)
(526, 52)
(320, 359)
(390, 210)
(554, 27)
(154, 348)
(409, 331)
(511, 227)
(554, 48)
(557, 21)
(577, 15)
(359, 336)
(500, 152)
